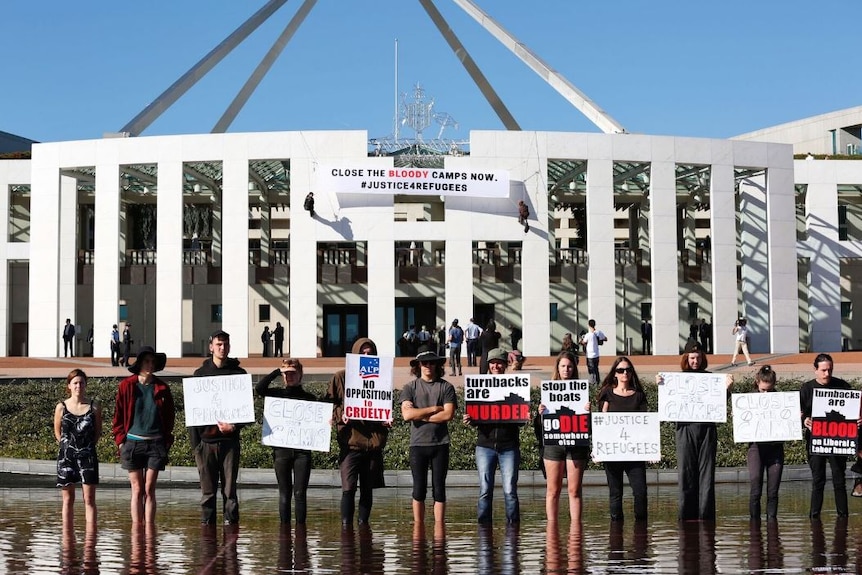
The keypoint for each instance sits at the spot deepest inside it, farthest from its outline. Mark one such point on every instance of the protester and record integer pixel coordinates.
(765, 456)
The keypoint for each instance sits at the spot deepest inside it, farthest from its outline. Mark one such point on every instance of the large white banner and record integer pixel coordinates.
(566, 420)
(368, 387)
(497, 398)
(296, 424)
(772, 416)
(372, 179)
(693, 397)
(226, 398)
(833, 421)
(626, 436)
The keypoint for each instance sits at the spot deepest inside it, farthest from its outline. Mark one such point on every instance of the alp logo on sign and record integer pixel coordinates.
(369, 367)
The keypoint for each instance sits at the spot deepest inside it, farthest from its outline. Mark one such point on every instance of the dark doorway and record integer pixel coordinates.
(342, 326)
(414, 311)
(483, 313)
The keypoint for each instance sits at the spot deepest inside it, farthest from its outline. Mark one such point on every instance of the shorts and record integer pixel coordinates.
(562, 453)
(146, 454)
(365, 467)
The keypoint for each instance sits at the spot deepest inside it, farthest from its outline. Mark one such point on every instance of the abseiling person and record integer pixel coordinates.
(428, 402)
(497, 444)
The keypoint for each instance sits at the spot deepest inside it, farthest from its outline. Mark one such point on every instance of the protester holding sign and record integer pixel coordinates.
(143, 429)
(696, 446)
(360, 445)
(497, 443)
(560, 461)
(823, 379)
(428, 402)
(765, 456)
(622, 391)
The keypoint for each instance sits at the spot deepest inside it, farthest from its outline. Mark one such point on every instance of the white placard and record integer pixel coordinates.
(693, 397)
(566, 420)
(374, 178)
(833, 421)
(210, 399)
(626, 436)
(501, 398)
(772, 416)
(296, 424)
(368, 387)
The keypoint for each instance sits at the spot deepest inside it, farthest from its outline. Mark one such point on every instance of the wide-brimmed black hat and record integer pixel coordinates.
(160, 360)
(427, 353)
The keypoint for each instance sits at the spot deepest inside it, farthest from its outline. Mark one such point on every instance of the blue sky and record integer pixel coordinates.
(74, 70)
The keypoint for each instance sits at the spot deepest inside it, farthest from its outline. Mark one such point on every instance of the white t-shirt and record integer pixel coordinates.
(591, 341)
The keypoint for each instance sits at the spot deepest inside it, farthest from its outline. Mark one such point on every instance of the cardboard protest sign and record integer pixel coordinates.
(497, 398)
(772, 416)
(566, 420)
(833, 421)
(626, 436)
(693, 397)
(368, 387)
(296, 423)
(226, 398)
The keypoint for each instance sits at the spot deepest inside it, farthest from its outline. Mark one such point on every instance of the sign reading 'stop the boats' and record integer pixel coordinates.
(371, 179)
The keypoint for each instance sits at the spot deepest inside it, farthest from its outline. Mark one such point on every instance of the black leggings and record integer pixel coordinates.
(437, 458)
(292, 470)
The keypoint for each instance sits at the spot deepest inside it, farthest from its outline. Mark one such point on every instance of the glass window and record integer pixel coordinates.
(215, 313)
(263, 312)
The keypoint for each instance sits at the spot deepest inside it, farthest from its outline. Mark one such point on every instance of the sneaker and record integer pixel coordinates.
(751, 363)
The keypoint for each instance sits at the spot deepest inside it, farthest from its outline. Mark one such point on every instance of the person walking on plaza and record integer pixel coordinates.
(127, 344)
(764, 456)
(472, 333)
(360, 444)
(292, 466)
(740, 332)
(68, 339)
(622, 391)
(591, 341)
(823, 367)
(143, 430)
(455, 340)
(278, 337)
(216, 447)
(115, 346)
(497, 444)
(428, 402)
(77, 427)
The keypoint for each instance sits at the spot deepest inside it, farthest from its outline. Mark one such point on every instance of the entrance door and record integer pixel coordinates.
(483, 313)
(342, 326)
(417, 312)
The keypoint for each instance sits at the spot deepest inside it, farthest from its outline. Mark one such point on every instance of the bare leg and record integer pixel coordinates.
(418, 511)
(439, 512)
(136, 479)
(575, 487)
(90, 504)
(150, 496)
(69, 504)
(554, 471)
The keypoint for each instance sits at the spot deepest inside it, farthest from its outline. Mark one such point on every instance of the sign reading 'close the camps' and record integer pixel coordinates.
(566, 420)
(770, 416)
(368, 387)
(626, 436)
(833, 421)
(296, 423)
(497, 398)
(226, 398)
(693, 397)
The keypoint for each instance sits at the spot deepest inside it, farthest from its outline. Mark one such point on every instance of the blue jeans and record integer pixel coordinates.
(509, 460)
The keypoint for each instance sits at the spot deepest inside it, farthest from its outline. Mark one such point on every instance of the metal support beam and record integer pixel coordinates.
(470, 65)
(158, 106)
(263, 68)
(554, 79)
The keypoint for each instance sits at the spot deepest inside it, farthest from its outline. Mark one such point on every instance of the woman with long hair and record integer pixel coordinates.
(765, 456)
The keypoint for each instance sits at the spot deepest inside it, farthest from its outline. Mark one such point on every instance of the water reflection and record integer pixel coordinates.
(33, 539)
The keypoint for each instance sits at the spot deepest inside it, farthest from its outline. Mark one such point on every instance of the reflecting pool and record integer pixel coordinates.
(32, 538)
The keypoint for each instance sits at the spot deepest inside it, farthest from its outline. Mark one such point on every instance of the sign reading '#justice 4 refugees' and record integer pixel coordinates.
(833, 421)
(566, 420)
(497, 398)
(693, 397)
(373, 178)
(623, 436)
(226, 398)
(368, 387)
(296, 423)
(770, 416)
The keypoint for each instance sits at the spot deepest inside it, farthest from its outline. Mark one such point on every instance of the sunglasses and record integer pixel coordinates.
(427, 363)
(624, 370)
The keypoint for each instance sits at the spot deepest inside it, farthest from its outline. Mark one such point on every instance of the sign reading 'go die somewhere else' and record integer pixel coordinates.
(566, 420)
(693, 397)
(833, 421)
(497, 398)
(368, 387)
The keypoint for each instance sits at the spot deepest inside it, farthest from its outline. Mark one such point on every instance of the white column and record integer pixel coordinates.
(304, 332)
(722, 199)
(459, 279)
(68, 258)
(754, 260)
(664, 266)
(782, 293)
(107, 255)
(169, 266)
(381, 294)
(234, 262)
(601, 275)
(824, 279)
